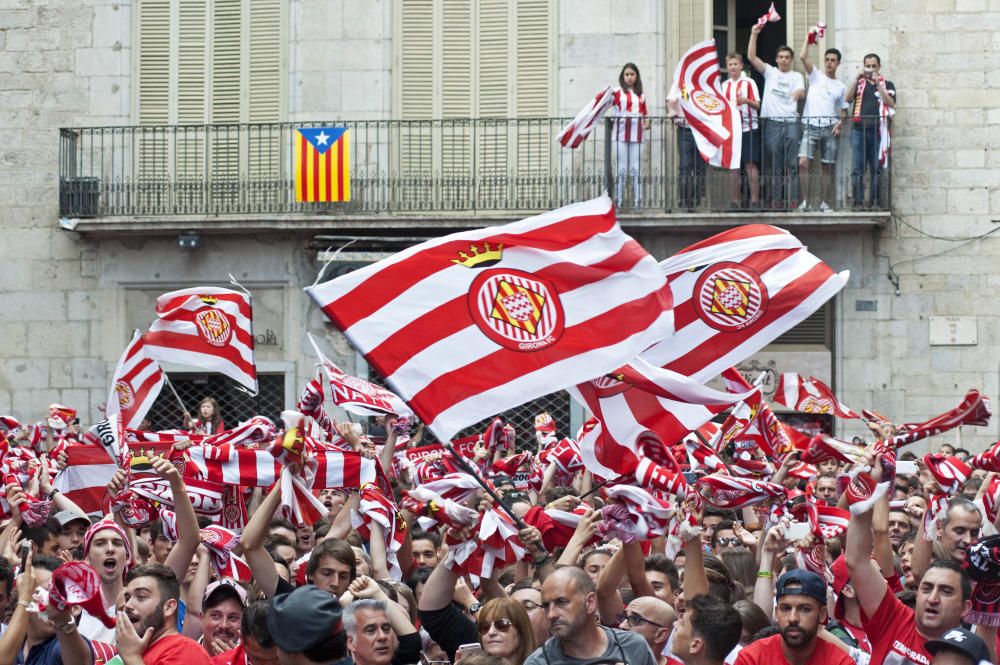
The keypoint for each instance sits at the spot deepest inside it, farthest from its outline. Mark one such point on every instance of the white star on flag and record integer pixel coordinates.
(322, 138)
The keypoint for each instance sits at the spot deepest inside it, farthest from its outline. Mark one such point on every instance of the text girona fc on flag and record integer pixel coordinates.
(471, 324)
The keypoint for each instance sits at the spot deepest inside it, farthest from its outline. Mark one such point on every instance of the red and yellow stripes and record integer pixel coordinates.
(322, 177)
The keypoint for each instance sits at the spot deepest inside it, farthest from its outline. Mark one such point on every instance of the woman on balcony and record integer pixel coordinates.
(630, 109)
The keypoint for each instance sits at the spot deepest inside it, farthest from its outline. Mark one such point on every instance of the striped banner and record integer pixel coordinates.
(322, 164)
(135, 385)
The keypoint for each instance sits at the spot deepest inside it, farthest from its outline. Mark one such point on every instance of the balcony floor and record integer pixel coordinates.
(437, 223)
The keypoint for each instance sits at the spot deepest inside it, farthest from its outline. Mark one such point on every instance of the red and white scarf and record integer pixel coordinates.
(974, 410)
(884, 113)
(731, 493)
(772, 16)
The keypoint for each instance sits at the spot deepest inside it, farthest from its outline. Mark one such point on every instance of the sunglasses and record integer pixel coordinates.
(636, 620)
(502, 625)
(729, 541)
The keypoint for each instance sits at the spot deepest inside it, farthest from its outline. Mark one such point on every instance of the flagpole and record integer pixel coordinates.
(597, 487)
(166, 379)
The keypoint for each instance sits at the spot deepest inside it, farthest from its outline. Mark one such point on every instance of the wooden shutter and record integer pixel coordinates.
(534, 153)
(455, 72)
(264, 76)
(493, 96)
(416, 99)
(153, 95)
(693, 24)
(804, 14)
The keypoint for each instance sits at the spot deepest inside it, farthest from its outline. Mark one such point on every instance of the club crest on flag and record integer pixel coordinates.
(610, 385)
(125, 395)
(515, 309)
(730, 296)
(815, 405)
(213, 326)
(708, 102)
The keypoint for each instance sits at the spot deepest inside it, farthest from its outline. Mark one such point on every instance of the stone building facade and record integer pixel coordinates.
(915, 328)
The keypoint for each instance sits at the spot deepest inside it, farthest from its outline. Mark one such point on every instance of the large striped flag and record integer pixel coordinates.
(639, 399)
(322, 164)
(474, 323)
(735, 293)
(714, 122)
(206, 327)
(135, 385)
(579, 128)
(259, 468)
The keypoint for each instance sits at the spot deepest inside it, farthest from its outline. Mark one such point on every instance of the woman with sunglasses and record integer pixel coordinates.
(505, 630)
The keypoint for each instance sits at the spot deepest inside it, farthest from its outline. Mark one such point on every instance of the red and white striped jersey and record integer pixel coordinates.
(630, 109)
(744, 87)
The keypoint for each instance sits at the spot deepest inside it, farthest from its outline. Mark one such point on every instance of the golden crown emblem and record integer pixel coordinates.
(208, 300)
(478, 256)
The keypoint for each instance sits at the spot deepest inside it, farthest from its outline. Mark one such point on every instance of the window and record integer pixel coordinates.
(235, 405)
(201, 62)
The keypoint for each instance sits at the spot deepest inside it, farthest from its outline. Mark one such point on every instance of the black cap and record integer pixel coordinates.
(304, 618)
(802, 583)
(964, 642)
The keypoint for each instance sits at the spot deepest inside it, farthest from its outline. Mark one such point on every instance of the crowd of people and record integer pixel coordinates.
(574, 569)
(779, 142)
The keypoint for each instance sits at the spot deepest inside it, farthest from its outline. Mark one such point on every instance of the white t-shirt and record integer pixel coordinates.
(777, 101)
(824, 100)
(94, 629)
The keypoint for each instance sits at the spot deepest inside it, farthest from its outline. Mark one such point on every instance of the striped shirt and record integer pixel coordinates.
(743, 87)
(629, 108)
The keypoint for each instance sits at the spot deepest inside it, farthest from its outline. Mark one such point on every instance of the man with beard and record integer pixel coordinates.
(222, 614)
(256, 645)
(569, 597)
(800, 613)
(146, 630)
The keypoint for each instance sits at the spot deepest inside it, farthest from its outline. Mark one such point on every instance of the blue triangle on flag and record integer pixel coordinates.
(322, 138)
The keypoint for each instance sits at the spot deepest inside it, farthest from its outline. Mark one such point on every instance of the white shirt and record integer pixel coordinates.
(778, 88)
(94, 629)
(824, 100)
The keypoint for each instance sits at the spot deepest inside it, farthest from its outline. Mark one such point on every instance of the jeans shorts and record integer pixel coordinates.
(814, 136)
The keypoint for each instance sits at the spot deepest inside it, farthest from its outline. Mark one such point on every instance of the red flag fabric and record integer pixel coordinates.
(206, 327)
(809, 396)
(735, 293)
(259, 468)
(817, 32)
(478, 322)
(573, 134)
(739, 422)
(358, 395)
(731, 493)
(85, 478)
(974, 410)
(715, 122)
(772, 16)
(135, 385)
(556, 526)
(988, 460)
(640, 398)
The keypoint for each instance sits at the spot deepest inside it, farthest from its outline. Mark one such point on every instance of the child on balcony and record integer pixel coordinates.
(630, 109)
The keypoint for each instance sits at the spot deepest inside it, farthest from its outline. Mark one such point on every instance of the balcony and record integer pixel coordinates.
(434, 175)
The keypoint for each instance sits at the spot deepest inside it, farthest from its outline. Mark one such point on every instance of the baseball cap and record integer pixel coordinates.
(219, 589)
(304, 618)
(964, 642)
(802, 583)
(64, 517)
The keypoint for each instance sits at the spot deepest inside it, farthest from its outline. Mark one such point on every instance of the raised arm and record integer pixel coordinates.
(867, 580)
(923, 549)
(252, 542)
(756, 62)
(804, 56)
(188, 533)
(880, 533)
(439, 589)
(609, 600)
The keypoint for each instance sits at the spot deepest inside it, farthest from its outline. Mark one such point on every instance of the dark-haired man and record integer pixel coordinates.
(426, 549)
(569, 597)
(873, 98)
(709, 630)
(784, 88)
(800, 612)
(821, 117)
(146, 632)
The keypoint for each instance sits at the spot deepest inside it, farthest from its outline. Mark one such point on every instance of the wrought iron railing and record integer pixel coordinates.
(432, 166)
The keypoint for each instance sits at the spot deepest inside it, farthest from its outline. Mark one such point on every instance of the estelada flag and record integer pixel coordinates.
(322, 164)
(474, 323)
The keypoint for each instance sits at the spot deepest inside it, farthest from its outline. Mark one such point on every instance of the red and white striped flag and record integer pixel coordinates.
(772, 16)
(135, 385)
(573, 134)
(86, 475)
(640, 398)
(472, 324)
(714, 121)
(809, 396)
(206, 327)
(259, 468)
(735, 293)
(358, 395)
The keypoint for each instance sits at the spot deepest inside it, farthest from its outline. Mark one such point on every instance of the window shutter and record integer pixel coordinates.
(417, 97)
(456, 95)
(153, 93)
(692, 22)
(264, 77)
(534, 59)
(493, 98)
(804, 15)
